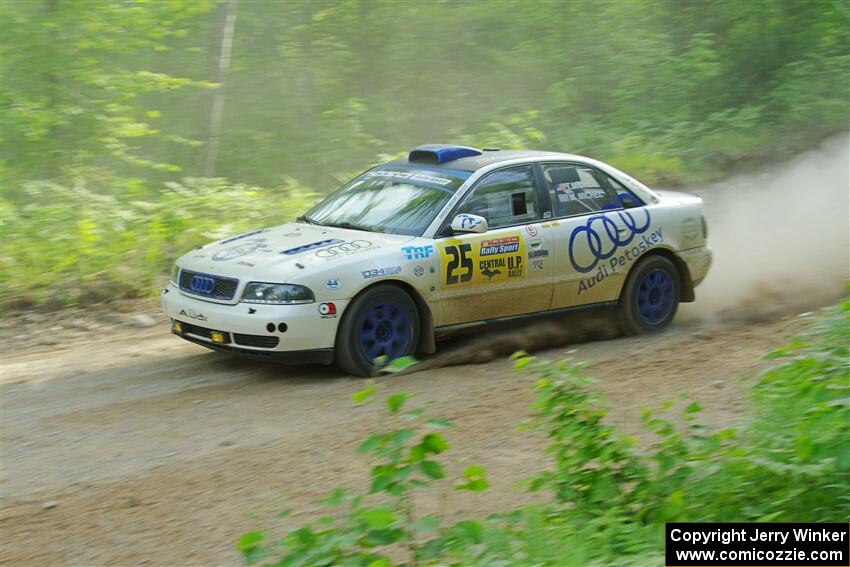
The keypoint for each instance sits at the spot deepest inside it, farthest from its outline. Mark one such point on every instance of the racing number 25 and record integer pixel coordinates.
(459, 260)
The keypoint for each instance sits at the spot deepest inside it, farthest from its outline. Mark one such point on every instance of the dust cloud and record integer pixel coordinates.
(781, 238)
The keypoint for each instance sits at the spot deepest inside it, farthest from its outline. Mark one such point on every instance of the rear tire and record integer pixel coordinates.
(382, 321)
(650, 297)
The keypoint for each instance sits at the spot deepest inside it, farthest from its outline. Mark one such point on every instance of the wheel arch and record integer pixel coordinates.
(686, 284)
(427, 342)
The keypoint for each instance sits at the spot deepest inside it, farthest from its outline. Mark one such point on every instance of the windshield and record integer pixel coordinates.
(393, 198)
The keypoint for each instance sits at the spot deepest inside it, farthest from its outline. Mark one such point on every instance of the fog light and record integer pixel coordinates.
(177, 328)
(217, 337)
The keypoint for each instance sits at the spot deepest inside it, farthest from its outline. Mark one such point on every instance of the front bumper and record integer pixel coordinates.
(254, 329)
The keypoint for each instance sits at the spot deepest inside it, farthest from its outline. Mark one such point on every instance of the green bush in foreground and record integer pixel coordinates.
(69, 244)
(789, 461)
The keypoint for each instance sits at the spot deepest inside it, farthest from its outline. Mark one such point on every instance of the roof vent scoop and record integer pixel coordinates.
(440, 153)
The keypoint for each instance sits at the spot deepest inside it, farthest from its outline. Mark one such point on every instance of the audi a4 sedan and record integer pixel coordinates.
(450, 237)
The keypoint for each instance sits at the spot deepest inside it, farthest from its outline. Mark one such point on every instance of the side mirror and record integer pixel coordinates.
(469, 223)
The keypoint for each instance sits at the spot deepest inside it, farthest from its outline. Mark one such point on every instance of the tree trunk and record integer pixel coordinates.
(216, 112)
(55, 151)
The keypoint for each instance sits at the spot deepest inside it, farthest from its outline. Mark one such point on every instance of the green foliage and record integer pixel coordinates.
(67, 244)
(789, 461)
(669, 92)
(369, 534)
(102, 100)
(594, 466)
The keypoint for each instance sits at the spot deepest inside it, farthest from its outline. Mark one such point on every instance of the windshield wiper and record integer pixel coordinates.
(350, 226)
(305, 218)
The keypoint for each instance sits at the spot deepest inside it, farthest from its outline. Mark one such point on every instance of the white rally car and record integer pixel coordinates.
(450, 237)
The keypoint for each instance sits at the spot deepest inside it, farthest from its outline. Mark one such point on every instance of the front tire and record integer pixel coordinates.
(650, 297)
(381, 322)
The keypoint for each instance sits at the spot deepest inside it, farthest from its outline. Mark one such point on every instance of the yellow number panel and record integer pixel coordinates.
(482, 260)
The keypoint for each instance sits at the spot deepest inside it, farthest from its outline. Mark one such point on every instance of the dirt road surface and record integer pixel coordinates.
(123, 445)
(141, 449)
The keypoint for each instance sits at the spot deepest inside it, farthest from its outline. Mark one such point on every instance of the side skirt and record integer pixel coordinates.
(525, 317)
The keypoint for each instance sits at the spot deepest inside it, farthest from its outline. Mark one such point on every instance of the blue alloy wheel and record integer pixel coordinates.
(386, 330)
(655, 297)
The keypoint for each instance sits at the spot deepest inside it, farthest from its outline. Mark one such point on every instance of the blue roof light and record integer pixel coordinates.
(440, 153)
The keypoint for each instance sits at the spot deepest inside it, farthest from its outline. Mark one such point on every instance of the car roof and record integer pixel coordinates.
(489, 157)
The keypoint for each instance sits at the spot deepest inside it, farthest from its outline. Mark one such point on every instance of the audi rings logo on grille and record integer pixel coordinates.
(202, 284)
(601, 236)
(343, 248)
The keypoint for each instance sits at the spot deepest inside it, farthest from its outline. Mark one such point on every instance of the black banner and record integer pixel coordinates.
(757, 545)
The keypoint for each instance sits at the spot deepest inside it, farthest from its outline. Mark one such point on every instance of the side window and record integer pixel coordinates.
(505, 197)
(577, 189)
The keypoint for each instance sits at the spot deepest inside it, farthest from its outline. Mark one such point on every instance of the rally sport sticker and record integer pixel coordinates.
(483, 260)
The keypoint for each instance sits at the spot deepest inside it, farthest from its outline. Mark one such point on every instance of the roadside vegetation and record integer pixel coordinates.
(607, 499)
(132, 131)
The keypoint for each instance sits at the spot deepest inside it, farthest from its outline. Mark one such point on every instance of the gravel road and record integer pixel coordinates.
(141, 449)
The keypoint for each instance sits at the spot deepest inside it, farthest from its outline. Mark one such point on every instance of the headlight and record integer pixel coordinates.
(256, 292)
(175, 274)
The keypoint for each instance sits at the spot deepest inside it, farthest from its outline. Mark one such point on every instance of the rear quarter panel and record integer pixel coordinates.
(583, 278)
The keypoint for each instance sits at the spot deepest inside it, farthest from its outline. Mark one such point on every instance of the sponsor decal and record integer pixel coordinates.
(327, 310)
(251, 311)
(378, 272)
(343, 248)
(542, 253)
(333, 284)
(412, 176)
(531, 230)
(468, 222)
(622, 260)
(601, 236)
(418, 270)
(243, 249)
(417, 252)
(482, 260)
(192, 314)
(498, 246)
(537, 265)
(567, 192)
(246, 235)
(311, 246)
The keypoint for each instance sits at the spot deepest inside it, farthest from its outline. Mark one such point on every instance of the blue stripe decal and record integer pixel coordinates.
(311, 246)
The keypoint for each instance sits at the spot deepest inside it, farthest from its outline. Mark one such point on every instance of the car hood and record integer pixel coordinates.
(289, 249)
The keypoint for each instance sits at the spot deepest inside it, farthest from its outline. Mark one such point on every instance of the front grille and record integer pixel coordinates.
(259, 341)
(202, 331)
(207, 285)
